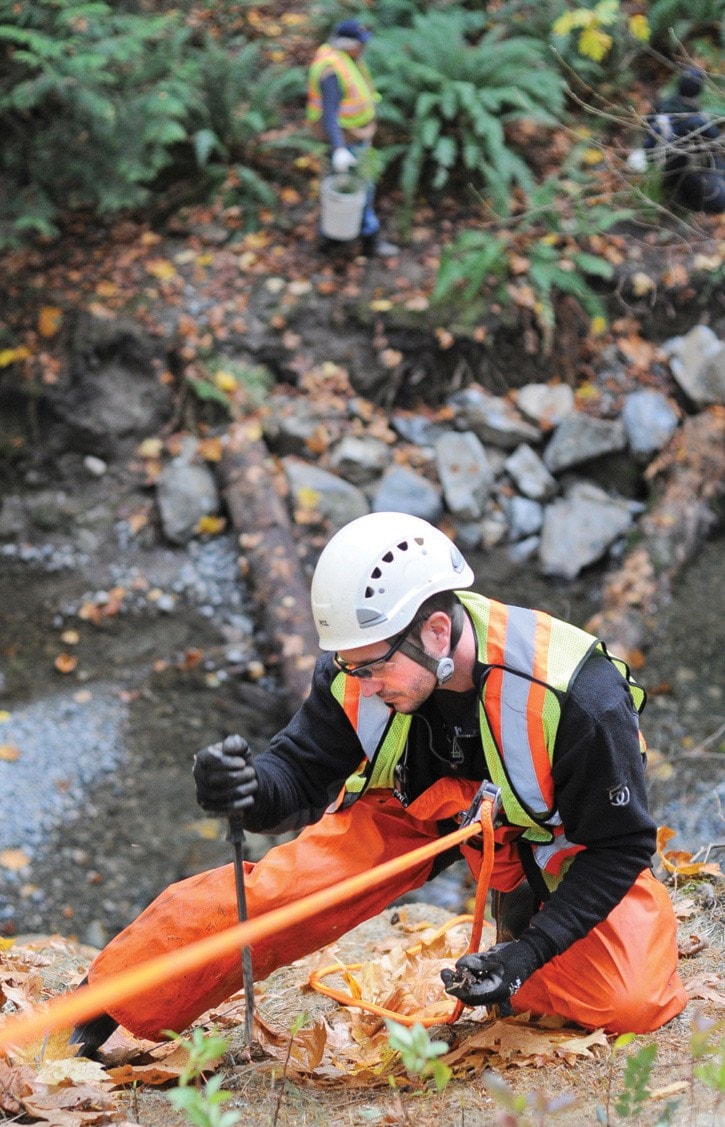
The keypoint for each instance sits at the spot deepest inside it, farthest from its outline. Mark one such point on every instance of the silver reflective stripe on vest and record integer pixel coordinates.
(543, 854)
(519, 652)
(372, 719)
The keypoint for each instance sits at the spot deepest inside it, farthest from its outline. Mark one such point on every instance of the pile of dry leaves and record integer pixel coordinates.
(307, 1043)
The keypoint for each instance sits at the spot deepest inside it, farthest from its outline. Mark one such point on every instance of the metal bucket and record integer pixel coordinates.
(342, 202)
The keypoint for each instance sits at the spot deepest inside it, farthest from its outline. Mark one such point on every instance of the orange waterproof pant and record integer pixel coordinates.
(622, 975)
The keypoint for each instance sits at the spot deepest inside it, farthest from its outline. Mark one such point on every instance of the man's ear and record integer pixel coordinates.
(435, 634)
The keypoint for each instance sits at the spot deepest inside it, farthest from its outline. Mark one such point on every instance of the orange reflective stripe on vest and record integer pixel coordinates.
(519, 639)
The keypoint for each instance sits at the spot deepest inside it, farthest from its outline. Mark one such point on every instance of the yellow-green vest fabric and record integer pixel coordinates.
(358, 95)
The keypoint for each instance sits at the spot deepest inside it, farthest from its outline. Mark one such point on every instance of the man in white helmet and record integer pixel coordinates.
(423, 691)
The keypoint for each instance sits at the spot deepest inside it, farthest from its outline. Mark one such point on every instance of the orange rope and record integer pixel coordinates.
(484, 878)
(88, 1001)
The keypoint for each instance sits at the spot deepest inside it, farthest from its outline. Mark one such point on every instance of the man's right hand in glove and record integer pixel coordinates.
(225, 777)
(343, 160)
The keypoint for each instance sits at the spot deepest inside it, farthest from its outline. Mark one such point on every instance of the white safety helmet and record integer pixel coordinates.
(375, 573)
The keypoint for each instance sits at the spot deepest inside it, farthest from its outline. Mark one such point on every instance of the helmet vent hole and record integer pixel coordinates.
(388, 557)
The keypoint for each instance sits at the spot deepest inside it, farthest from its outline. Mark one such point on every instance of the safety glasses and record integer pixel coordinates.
(365, 669)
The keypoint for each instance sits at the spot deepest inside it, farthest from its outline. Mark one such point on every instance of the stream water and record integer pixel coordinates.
(97, 796)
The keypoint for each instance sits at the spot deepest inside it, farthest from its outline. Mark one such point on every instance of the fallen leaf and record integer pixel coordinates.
(390, 357)
(210, 525)
(65, 663)
(72, 1070)
(150, 448)
(642, 284)
(9, 753)
(709, 987)
(14, 859)
(161, 268)
(49, 320)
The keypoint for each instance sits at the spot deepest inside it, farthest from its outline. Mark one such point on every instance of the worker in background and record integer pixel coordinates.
(687, 145)
(342, 100)
(425, 689)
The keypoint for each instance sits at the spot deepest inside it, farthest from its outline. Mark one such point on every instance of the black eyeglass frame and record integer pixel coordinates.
(363, 669)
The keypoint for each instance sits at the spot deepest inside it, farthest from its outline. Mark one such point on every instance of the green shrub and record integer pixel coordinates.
(673, 22)
(547, 246)
(96, 103)
(449, 99)
(598, 43)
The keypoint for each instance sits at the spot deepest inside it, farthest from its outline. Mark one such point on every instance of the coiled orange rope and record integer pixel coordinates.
(484, 877)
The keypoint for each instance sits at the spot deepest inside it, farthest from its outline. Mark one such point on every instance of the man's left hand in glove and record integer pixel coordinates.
(491, 977)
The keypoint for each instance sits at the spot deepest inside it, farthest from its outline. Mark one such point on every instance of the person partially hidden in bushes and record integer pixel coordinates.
(341, 102)
(687, 145)
(424, 691)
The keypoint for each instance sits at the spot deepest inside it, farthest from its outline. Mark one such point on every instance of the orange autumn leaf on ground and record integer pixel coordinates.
(49, 320)
(680, 862)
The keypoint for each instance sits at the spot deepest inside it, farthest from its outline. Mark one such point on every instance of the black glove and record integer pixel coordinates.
(225, 777)
(491, 976)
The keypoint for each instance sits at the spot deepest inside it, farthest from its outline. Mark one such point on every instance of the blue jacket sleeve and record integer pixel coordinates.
(330, 89)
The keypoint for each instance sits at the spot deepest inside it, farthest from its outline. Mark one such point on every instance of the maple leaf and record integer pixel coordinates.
(680, 862)
(16, 1081)
(72, 1070)
(709, 987)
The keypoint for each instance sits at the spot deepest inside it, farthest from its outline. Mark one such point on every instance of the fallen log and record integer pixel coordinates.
(687, 479)
(253, 489)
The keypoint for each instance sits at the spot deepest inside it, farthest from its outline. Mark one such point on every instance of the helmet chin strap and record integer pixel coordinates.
(442, 668)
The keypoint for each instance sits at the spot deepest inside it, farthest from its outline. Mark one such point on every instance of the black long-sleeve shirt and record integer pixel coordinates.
(596, 763)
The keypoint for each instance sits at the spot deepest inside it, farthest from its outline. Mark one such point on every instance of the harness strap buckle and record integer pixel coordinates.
(487, 790)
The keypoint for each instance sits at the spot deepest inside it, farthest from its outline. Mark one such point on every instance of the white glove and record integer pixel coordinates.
(637, 160)
(343, 160)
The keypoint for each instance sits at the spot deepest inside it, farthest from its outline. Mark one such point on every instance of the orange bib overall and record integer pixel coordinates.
(622, 975)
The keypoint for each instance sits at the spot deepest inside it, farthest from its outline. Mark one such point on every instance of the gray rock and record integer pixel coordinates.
(416, 429)
(493, 529)
(545, 404)
(465, 474)
(491, 418)
(185, 492)
(649, 421)
(13, 517)
(401, 490)
(697, 361)
(289, 426)
(360, 460)
(111, 391)
(530, 475)
(579, 528)
(524, 550)
(337, 500)
(579, 438)
(525, 517)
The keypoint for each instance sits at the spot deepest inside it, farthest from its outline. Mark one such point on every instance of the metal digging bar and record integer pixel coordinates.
(236, 836)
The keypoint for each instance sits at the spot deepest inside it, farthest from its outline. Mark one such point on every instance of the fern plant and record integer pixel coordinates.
(95, 104)
(546, 249)
(449, 99)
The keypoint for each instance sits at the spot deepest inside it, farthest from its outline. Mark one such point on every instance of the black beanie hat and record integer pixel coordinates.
(691, 82)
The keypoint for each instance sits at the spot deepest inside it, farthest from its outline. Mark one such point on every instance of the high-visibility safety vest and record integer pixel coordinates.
(532, 660)
(357, 89)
